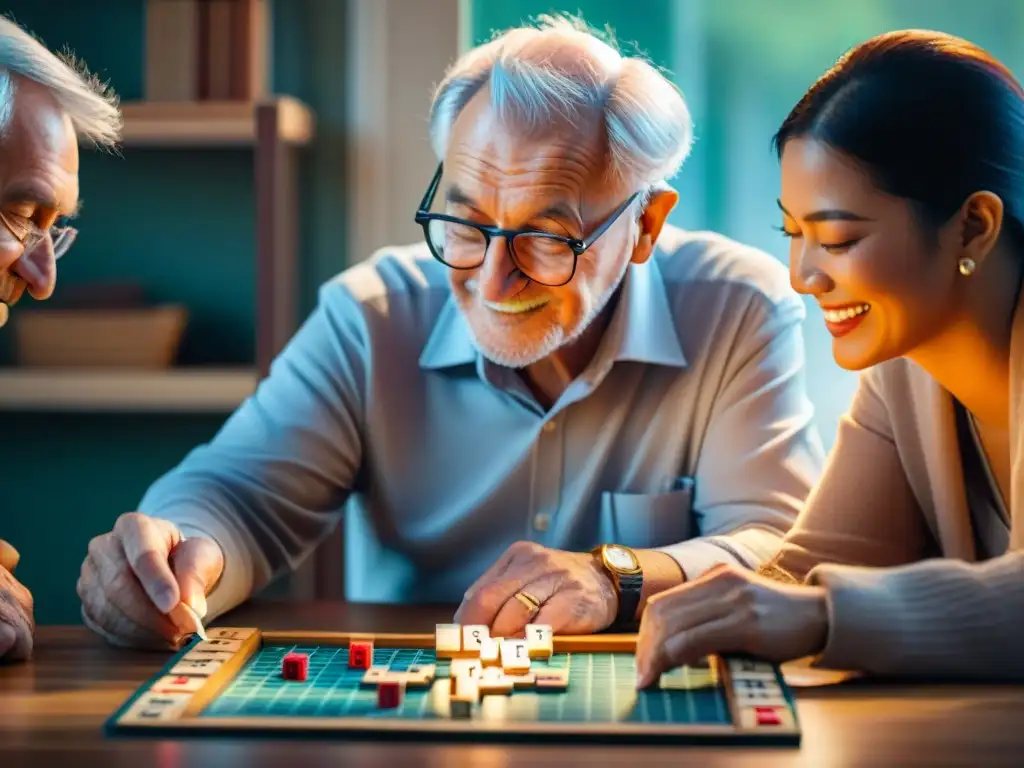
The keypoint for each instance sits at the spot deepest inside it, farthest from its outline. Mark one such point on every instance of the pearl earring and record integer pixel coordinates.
(966, 266)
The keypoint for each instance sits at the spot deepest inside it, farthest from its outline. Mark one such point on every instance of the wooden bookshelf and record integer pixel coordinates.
(275, 130)
(212, 123)
(175, 390)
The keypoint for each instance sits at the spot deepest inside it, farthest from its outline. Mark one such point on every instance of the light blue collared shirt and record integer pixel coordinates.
(690, 432)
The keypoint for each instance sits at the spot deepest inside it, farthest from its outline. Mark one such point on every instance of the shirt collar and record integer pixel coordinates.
(642, 330)
(451, 342)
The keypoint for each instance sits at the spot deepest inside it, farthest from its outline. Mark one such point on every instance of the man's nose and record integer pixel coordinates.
(38, 268)
(499, 278)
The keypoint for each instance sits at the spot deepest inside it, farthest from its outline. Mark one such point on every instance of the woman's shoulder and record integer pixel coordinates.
(897, 391)
(898, 379)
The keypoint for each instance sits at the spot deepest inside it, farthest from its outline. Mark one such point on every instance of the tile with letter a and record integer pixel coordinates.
(157, 707)
(178, 684)
(230, 633)
(198, 667)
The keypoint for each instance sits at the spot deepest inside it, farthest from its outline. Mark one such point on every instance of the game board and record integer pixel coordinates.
(234, 683)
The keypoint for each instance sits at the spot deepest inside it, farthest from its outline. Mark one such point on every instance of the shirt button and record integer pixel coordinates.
(541, 521)
(549, 426)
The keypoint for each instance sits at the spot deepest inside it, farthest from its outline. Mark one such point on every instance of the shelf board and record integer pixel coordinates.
(209, 123)
(178, 390)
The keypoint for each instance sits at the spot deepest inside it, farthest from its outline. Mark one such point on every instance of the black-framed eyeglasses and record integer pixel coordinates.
(544, 257)
(61, 235)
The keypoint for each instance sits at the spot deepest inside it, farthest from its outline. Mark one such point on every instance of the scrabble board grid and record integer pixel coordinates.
(248, 695)
(600, 690)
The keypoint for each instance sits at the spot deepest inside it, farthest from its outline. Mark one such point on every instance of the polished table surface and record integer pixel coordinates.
(52, 710)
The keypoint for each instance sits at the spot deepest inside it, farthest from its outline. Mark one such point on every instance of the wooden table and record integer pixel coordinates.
(52, 710)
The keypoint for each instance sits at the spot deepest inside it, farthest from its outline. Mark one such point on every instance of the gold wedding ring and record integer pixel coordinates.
(528, 600)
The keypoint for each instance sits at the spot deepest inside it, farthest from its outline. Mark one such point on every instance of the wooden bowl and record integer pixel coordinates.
(144, 337)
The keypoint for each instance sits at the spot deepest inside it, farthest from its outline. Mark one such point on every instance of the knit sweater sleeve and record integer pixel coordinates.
(893, 608)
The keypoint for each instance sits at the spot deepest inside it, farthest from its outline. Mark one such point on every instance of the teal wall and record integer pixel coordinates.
(182, 223)
(636, 24)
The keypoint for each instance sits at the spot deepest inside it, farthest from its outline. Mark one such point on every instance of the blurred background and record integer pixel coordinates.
(270, 144)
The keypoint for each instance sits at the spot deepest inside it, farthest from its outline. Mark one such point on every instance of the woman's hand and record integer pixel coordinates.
(729, 610)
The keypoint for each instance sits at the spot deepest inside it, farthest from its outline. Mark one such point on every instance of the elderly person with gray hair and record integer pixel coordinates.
(553, 407)
(47, 105)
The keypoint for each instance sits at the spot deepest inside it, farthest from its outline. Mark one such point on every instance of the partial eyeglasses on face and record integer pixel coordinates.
(61, 234)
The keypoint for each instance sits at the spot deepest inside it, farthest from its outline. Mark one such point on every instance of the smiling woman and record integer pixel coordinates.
(893, 191)
(903, 195)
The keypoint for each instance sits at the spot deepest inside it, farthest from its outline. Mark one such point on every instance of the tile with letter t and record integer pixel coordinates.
(539, 641)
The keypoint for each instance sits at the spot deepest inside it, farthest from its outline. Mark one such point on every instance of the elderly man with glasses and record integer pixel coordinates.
(46, 107)
(553, 407)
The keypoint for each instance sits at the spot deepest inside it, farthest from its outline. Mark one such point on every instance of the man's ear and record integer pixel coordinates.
(979, 223)
(663, 199)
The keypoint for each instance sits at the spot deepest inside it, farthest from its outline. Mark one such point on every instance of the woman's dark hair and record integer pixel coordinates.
(931, 117)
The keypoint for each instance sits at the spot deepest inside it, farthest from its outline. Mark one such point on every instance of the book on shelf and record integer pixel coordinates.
(207, 50)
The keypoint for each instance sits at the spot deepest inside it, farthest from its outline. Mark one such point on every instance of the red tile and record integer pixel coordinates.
(767, 716)
(295, 666)
(360, 654)
(389, 694)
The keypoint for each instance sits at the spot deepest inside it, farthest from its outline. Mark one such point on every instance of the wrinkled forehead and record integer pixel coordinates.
(511, 131)
(507, 154)
(39, 156)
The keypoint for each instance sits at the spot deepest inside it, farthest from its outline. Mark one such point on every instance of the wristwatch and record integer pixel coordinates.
(623, 566)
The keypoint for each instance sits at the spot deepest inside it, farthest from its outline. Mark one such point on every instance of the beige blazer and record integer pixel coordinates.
(888, 533)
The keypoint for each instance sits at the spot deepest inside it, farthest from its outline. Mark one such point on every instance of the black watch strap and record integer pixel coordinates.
(630, 585)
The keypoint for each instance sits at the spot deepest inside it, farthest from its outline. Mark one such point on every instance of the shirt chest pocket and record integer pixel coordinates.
(645, 520)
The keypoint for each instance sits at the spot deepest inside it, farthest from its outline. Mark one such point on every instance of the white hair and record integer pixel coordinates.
(558, 68)
(91, 105)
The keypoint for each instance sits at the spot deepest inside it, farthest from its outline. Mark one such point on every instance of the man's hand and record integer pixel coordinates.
(729, 610)
(17, 625)
(135, 578)
(576, 596)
